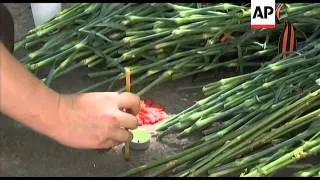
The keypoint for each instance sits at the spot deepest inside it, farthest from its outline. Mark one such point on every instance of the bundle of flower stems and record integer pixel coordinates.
(158, 42)
(289, 154)
(260, 121)
(313, 171)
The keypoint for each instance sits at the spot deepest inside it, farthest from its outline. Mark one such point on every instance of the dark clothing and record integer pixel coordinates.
(6, 28)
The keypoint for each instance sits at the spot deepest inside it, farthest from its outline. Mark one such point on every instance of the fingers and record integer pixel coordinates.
(130, 102)
(117, 137)
(121, 135)
(127, 120)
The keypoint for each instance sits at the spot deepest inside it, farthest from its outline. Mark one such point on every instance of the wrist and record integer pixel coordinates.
(49, 113)
(44, 115)
(64, 107)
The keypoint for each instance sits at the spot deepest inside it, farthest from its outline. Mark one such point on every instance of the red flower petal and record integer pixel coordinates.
(148, 102)
(151, 112)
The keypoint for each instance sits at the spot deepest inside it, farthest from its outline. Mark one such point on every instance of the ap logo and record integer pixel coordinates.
(263, 14)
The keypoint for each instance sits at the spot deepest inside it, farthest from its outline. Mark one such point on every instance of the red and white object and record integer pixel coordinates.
(151, 112)
(263, 14)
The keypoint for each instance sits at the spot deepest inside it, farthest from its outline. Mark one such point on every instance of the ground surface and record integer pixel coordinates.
(26, 153)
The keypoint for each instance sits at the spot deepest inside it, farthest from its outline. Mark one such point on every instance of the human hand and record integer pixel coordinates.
(82, 121)
(95, 120)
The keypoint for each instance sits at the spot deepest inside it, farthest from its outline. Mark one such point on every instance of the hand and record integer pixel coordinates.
(96, 120)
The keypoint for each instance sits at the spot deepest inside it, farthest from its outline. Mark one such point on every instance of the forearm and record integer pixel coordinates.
(25, 98)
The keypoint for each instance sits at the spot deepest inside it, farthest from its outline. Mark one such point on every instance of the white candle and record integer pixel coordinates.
(42, 12)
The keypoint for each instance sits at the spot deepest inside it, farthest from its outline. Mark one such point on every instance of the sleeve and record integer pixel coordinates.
(6, 28)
